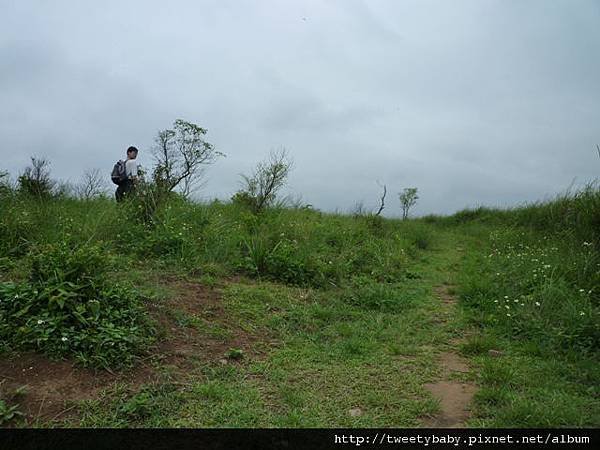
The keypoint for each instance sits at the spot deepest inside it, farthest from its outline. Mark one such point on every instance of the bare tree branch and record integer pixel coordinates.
(382, 201)
(91, 184)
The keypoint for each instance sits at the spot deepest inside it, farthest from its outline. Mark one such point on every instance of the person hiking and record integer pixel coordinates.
(125, 174)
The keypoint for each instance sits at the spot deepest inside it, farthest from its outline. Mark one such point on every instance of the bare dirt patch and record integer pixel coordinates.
(205, 306)
(51, 387)
(48, 386)
(452, 363)
(454, 399)
(454, 396)
(442, 292)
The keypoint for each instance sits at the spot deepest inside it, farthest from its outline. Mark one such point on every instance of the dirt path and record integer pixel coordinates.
(454, 395)
(46, 389)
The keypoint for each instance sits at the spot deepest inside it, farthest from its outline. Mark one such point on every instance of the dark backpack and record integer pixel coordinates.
(119, 173)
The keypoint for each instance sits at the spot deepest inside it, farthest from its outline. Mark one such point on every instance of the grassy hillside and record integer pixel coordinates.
(212, 315)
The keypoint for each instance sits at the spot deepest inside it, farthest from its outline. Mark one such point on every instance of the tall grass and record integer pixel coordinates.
(540, 276)
(295, 246)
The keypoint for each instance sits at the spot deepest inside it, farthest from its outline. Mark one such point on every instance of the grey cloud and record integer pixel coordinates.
(473, 102)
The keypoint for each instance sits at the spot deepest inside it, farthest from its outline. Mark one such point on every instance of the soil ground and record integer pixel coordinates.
(306, 361)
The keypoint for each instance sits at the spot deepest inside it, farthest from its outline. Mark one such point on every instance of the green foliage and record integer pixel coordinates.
(572, 215)
(61, 264)
(8, 413)
(408, 198)
(283, 261)
(376, 224)
(367, 294)
(287, 263)
(245, 200)
(301, 247)
(480, 214)
(261, 188)
(120, 408)
(35, 180)
(181, 153)
(541, 289)
(5, 187)
(419, 235)
(235, 353)
(532, 391)
(478, 345)
(70, 308)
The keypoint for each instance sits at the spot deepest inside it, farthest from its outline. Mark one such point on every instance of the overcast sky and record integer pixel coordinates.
(474, 102)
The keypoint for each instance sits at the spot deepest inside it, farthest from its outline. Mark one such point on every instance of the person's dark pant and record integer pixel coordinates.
(123, 190)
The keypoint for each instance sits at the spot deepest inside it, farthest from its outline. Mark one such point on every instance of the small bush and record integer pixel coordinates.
(69, 308)
(283, 261)
(35, 180)
(287, 263)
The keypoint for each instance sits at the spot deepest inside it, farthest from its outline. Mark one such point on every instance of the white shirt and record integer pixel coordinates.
(131, 168)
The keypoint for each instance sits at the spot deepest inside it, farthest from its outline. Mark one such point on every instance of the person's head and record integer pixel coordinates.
(132, 153)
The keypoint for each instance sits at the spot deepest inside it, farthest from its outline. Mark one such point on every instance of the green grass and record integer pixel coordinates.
(320, 314)
(533, 297)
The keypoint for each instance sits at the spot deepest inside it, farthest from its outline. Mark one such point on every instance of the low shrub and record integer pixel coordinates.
(282, 261)
(69, 308)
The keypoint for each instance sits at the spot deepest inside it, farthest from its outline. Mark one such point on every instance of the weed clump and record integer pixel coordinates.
(70, 308)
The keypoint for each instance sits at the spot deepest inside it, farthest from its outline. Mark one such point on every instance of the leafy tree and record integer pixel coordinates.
(408, 199)
(260, 189)
(181, 155)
